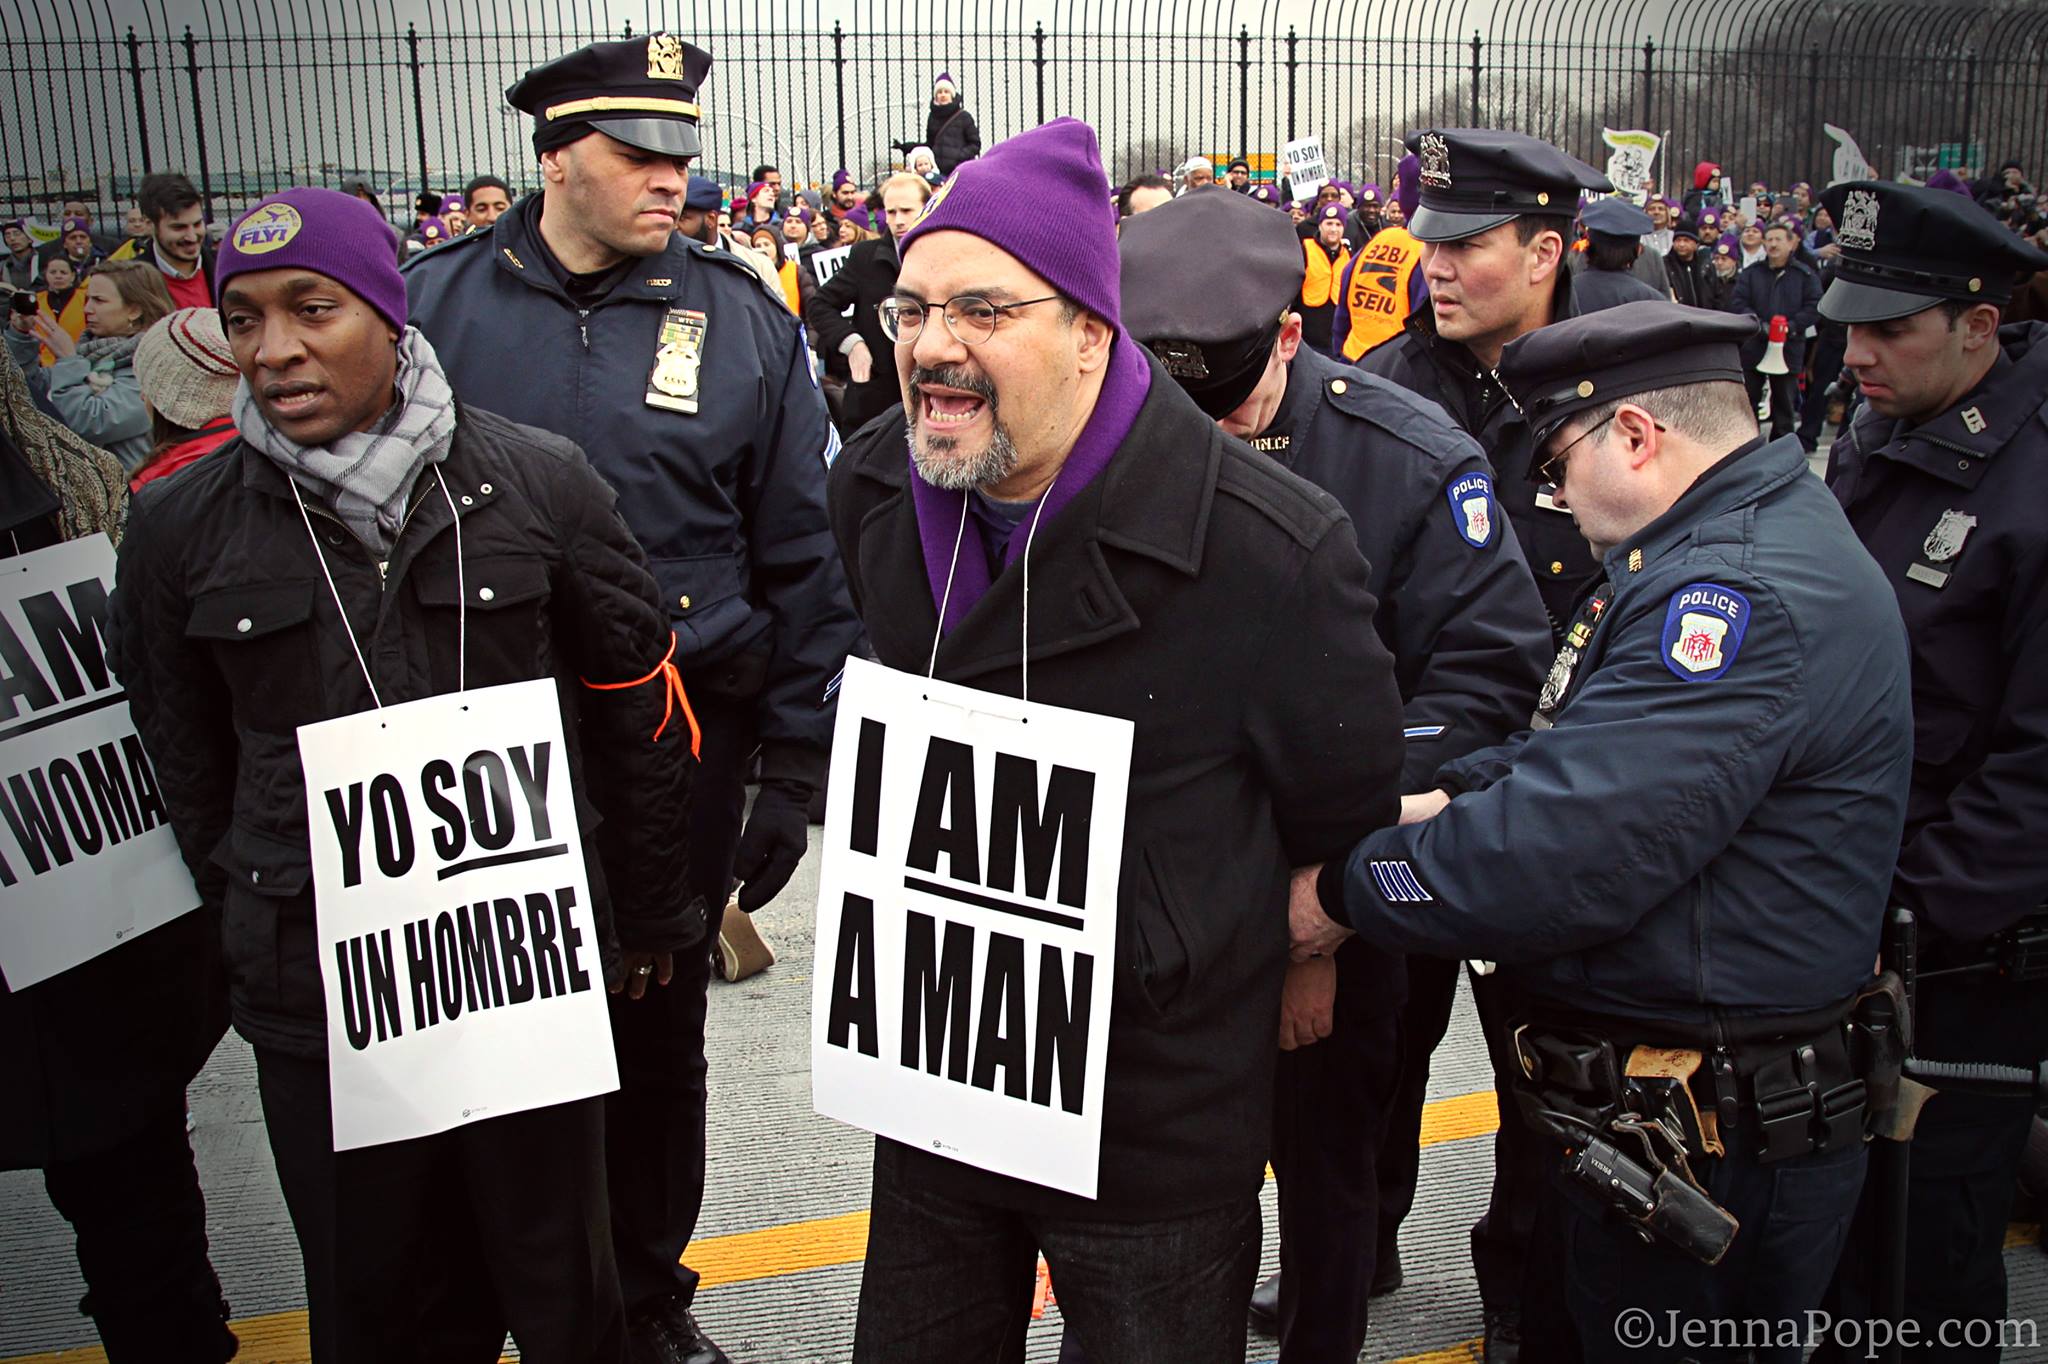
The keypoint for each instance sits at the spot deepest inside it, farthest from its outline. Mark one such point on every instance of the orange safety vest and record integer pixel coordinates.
(1377, 301)
(789, 291)
(1319, 287)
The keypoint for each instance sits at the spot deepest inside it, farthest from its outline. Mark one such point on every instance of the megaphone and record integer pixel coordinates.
(1774, 353)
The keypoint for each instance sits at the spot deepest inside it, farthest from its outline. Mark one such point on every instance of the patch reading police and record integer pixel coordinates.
(1703, 630)
(678, 360)
(1471, 499)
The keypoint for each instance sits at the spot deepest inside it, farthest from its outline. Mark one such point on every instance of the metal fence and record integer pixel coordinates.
(254, 95)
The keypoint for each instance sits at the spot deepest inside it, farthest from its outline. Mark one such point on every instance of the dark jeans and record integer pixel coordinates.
(1964, 1167)
(1330, 1106)
(1782, 389)
(654, 1123)
(426, 1251)
(1828, 349)
(140, 1221)
(1500, 1238)
(1590, 1267)
(949, 1281)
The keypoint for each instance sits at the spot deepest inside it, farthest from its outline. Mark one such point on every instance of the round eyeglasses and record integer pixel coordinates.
(970, 317)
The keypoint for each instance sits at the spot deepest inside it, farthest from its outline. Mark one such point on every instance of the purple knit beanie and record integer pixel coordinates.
(1408, 185)
(1040, 197)
(321, 230)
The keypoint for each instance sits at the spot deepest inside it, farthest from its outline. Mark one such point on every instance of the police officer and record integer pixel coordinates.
(1495, 210)
(1679, 867)
(1460, 615)
(584, 312)
(1614, 240)
(1941, 475)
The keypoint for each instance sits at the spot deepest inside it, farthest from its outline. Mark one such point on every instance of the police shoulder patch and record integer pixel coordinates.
(1703, 630)
(1473, 511)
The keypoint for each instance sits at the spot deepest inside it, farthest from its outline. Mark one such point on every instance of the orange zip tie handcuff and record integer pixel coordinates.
(672, 685)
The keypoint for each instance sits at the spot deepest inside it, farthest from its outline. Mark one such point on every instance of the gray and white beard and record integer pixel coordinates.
(991, 466)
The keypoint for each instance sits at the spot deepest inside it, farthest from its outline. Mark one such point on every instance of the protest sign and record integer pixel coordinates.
(1849, 163)
(458, 949)
(1630, 153)
(826, 264)
(87, 858)
(966, 943)
(1303, 164)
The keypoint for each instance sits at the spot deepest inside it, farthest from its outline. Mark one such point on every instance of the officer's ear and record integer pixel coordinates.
(1639, 428)
(1979, 327)
(1546, 254)
(1290, 338)
(551, 168)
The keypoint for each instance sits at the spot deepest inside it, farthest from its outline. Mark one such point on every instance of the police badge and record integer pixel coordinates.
(1858, 231)
(664, 57)
(678, 359)
(1435, 156)
(1945, 541)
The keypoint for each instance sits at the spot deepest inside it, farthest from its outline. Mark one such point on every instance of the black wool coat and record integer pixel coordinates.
(1220, 603)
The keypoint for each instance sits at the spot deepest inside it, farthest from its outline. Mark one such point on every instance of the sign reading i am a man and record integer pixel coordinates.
(967, 908)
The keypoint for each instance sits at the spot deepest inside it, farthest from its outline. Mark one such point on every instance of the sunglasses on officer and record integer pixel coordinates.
(1550, 468)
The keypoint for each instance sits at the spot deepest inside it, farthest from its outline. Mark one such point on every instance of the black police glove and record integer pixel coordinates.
(774, 841)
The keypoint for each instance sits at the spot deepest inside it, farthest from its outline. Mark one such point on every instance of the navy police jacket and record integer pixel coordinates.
(1951, 510)
(728, 501)
(1706, 824)
(1457, 608)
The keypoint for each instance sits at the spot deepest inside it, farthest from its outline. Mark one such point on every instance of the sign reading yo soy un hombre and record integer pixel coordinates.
(458, 949)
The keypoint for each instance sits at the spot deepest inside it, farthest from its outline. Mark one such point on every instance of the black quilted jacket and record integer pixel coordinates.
(226, 636)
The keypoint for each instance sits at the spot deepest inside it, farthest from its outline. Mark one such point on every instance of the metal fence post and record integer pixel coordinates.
(1038, 63)
(1813, 130)
(1475, 79)
(141, 109)
(839, 85)
(198, 121)
(1244, 91)
(1649, 81)
(1969, 104)
(1291, 65)
(419, 107)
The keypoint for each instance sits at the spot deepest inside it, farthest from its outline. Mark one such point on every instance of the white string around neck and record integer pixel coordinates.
(953, 565)
(461, 593)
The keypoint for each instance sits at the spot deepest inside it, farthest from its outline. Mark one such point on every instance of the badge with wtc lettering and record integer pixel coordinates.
(1703, 629)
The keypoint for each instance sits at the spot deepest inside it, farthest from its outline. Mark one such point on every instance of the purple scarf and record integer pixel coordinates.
(1124, 388)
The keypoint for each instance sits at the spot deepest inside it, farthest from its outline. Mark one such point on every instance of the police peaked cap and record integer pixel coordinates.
(1584, 362)
(642, 91)
(1213, 341)
(1616, 218)
(1475, 179)
(1906, 248)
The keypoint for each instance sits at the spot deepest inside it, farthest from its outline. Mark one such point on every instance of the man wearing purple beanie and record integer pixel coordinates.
(367, 540)
(1191, 586)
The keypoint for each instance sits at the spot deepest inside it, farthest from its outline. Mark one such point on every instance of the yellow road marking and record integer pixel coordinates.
(822, 1242)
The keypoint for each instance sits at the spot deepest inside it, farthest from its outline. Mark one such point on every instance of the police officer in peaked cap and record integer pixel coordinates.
(1941, 475)
(1458, 611)
(584, 312)
(1494, 215)
(1680, 867)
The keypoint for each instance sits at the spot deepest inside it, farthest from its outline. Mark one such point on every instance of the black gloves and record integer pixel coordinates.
(776, 836)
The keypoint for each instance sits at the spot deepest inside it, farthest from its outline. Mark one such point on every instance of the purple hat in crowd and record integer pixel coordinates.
(1330, 213)
(840, 177)
(451, 203)
(1729, 245)
(1950, 181)
(1264, 194)
(858, 216)
(321, 230)
(71, 225)
(1069, 237)
(1408, 184)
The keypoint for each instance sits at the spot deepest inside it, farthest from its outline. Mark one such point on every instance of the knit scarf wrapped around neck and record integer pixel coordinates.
(365, 477)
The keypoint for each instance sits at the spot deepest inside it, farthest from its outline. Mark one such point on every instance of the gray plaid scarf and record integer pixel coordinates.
(365, 477)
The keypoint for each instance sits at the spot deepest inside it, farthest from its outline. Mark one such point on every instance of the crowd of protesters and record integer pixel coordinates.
(141, 357)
